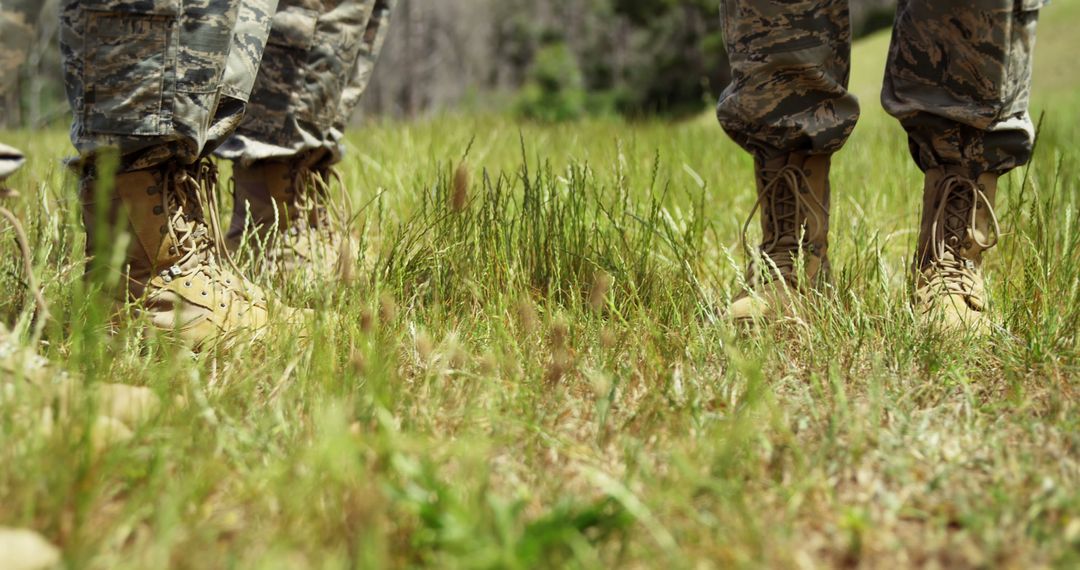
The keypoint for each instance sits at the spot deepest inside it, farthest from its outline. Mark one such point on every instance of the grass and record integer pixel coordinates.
(535, 371)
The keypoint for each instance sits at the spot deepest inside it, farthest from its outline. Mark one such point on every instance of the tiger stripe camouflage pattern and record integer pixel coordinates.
(317, 65)
(958, 79)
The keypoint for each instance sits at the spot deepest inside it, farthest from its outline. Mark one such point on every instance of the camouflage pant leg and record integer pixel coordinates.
(790, 61)
(159, 80)
(959, 78)
(317, 65)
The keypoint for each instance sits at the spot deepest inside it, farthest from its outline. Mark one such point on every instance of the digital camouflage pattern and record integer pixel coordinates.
(318, 62)
(958, 79)
(160, 80)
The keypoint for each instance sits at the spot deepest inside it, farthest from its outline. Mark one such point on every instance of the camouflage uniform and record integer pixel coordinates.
(318, 62)
(958, 79)
(162, 81)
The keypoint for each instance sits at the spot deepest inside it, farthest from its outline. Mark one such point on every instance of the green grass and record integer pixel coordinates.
(544, 378)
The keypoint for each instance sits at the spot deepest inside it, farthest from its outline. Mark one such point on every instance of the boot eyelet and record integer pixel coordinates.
(187, 283)
(205, 294)
(158, 210)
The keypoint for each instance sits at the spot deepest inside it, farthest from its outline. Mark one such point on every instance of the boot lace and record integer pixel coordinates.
(784, 200)
(954, 224)
(194, 226)
(319, 217)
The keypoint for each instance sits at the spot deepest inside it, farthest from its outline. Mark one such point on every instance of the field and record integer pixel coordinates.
(532, 368)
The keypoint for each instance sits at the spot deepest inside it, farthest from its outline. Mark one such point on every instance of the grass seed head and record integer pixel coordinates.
(345, 268)
(459, 197)
(357, 362)
(607, 338)
(367, 321)
(488, 365)
(526, 315)
(560, 333)
(557, 367)
(424, 347)
(600, 288)
(387, 309)
(457, 358)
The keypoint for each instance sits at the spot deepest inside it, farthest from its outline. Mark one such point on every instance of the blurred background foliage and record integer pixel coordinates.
(545, 60)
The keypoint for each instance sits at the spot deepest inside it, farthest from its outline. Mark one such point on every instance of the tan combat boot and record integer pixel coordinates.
(793, 196)
(958, 225)
(282, 213)
(119, 408)
(176, 268)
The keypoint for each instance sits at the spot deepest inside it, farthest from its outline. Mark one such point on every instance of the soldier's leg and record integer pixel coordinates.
(958, 79)
(144, 77)
(790, 63)
(317, 66)
(788, 105)
(158, 83)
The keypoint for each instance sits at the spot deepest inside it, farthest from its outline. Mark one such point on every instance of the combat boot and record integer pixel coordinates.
(958, 226)
(119, 408)
(283, 215)
(793, 197)
(176, 269)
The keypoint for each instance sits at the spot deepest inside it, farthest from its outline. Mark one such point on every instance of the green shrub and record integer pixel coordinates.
(554, 91)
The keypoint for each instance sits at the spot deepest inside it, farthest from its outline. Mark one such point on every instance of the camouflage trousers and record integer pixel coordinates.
(958, 79)
(317, 64)
(160, 80)
(164, 80)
